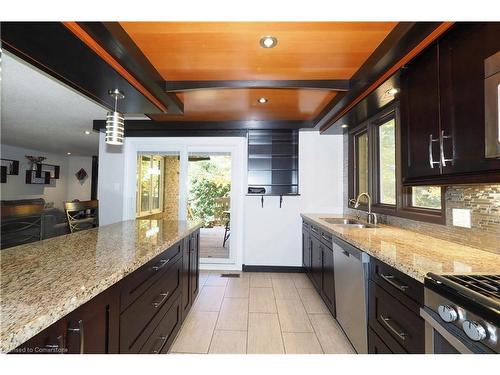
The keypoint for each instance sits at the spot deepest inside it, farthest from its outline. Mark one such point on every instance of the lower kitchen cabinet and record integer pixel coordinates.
(393, 310)
(376, 345)
(142, 313)
(90, 329)
(321, 264)
(306, 247)
(190, 271)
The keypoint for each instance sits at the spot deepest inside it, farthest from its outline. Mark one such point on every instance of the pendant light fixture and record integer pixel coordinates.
(115, 121)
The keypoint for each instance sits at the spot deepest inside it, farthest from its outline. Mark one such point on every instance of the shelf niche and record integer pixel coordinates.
(32, 178)
(273, 161)
(52, 169)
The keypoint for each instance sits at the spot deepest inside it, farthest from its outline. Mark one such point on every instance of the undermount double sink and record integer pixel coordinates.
(348, 223)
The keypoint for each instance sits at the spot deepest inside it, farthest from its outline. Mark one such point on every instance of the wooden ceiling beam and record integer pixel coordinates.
(155, 128)
(109, 41)
(398, 48)
(326, 84)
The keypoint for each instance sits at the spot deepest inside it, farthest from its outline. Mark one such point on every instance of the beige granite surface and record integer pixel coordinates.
(43, 281)
(410, 252)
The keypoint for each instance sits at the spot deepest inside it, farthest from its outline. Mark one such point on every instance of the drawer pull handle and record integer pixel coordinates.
(389, 323)
(325, 237)
(162, 298)
(157, 348)
(314, 229)
(162, 263)
(80, 332)
(394, 282)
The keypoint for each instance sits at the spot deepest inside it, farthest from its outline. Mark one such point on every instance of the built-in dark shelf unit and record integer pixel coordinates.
(3, 174)
(52, 169)
(31, 178)
(11, 166)
(273, 161)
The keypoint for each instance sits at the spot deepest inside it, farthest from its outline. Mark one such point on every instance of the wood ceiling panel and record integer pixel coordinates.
(231, 50)
(241, 104)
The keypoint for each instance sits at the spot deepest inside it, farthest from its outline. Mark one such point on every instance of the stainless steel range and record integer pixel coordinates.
(462, 313)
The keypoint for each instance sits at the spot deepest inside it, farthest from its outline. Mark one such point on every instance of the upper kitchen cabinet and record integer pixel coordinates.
(420, 116)
(443, 109)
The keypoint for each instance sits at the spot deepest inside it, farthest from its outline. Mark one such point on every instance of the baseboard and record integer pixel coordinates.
(287, 269)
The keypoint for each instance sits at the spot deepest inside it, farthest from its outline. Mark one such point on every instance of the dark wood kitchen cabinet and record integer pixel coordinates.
(90, 329)
(142, 313)
(316, 257)
(306, 247)
(395, 325)
(190, 271)
(321, 261)
(442, 109)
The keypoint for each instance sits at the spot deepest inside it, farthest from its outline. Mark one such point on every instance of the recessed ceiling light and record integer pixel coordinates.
(263, 100)
(68, 153)
(87, 132)
(268, 41)
(392, 91)
(344, 126)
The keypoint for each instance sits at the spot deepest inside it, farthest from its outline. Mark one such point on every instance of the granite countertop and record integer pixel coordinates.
(43, 281)
(410, 252)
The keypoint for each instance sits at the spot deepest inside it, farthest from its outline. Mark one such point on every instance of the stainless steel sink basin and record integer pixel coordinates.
(349, 223)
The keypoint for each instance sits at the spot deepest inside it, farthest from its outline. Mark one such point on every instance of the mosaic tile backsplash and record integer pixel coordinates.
(482, 200)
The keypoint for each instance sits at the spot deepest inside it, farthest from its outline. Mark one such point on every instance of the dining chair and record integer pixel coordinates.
(82, 215)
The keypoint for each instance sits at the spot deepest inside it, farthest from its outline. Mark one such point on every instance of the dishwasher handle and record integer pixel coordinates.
(349, 250)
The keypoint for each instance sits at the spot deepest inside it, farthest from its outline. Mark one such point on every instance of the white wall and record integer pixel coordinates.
(272, 234)
(80, 190)
(65, 188)
(269, 235)
(110, 182)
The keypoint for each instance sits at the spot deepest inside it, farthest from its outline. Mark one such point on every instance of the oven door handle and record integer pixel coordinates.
(433, 324)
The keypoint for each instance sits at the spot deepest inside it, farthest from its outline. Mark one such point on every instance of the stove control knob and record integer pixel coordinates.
(447, 313)
(474, 330)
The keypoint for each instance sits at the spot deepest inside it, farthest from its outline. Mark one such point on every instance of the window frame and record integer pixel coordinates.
(140, 213)
(403, 207)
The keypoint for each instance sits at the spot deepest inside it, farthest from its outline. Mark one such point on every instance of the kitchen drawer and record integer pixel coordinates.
(315, 231)
(394, 322)
(326, 238)
(140, 280)
(138, 315)
(406, 289)
(376, 345)
(164, 334)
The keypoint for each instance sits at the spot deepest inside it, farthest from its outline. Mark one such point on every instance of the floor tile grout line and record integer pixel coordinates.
(216, 320)
(279, 320)
(309, 319)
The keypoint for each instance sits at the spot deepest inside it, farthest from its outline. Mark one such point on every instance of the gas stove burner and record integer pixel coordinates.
(467, 307)
(482, 289)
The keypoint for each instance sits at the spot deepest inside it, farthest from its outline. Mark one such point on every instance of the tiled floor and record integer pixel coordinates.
(259, 313)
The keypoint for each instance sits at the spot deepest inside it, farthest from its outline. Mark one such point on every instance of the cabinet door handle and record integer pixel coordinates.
(325, 237)
(346, 253)
(389, 323)
(431, 159)
(81, 333)
(162, 263)
(157, 348)
(162, 297)
(394, 282)
(441, 147)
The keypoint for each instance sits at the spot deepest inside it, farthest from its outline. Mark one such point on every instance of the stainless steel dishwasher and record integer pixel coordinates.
(351, 292)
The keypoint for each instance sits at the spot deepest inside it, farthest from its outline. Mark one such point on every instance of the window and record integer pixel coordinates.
(150, 184)
(426, 197)
(362, 163)
(374, 168)
(387, 162)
